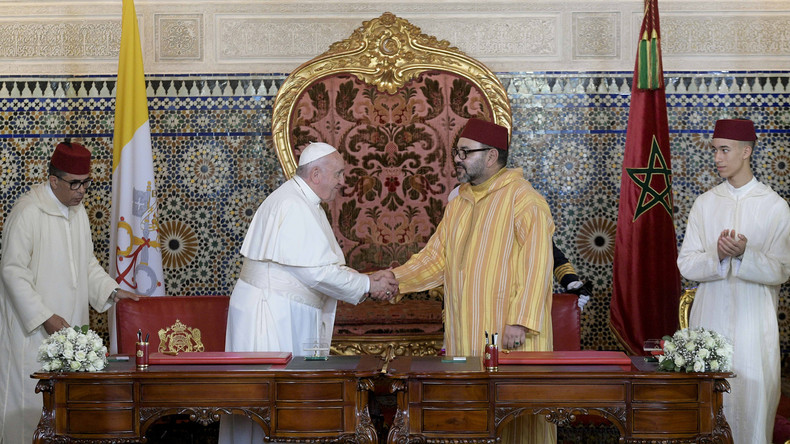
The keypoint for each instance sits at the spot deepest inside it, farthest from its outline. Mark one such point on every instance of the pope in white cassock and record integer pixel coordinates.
(293, 273)
(737, 246)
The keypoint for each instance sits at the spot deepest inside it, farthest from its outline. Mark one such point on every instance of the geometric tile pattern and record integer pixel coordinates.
(214, 161)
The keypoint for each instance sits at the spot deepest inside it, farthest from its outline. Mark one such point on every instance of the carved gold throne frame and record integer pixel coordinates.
(393, 101)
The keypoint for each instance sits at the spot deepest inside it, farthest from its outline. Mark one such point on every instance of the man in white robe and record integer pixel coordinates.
(48, 276)
(737, 246)
(293, 273)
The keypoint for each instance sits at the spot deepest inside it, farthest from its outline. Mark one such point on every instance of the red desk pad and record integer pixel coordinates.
(583, 357)
(221, 358)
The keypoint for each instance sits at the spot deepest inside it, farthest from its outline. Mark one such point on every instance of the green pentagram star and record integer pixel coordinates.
(650, 197)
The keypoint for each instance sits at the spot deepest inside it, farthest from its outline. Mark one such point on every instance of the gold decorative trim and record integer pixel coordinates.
(387, 52)
(684, 307)
(384, 345)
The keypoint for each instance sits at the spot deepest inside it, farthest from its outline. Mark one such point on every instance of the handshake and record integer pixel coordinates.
(383, 285)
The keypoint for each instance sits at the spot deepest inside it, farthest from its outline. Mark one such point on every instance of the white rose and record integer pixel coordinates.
(96, 343)
(71, 334)
(55, 364)
(669, 347)
(690, 346)
(703, 353)
(714, 365)
(75, 365)
(80, 355)
(97, 364)
(91, 356)
(679, 361)
(68, 352)
(53, 349)
(82, 341)
(699, 365)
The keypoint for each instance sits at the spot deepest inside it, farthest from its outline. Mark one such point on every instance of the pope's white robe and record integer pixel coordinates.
(47, 267)
(293, 275)
(739, 298)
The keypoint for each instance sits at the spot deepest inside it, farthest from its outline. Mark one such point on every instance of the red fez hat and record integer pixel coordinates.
(72, 158)
(486, 133)
(735, 129)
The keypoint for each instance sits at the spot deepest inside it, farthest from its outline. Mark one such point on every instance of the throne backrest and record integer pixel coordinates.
(393, 101)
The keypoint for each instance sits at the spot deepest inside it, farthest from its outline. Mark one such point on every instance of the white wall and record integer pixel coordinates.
(265, 36)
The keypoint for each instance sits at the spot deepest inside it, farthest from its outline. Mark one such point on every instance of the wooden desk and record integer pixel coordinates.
(303, 401)
(460, 402)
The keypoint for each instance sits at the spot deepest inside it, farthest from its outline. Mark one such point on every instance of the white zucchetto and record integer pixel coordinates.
(314, 151)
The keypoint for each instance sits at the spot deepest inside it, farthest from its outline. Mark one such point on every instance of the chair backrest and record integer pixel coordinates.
(393, 101)
(175, 323)
(566, 322)
(684, 307)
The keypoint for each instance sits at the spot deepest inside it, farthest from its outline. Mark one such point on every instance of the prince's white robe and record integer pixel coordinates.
(293, 275)
(738, 298)
(48, 267)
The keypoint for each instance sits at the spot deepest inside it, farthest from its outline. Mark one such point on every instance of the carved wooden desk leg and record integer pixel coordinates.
(46, 426)
(365, 430)
(399, 433)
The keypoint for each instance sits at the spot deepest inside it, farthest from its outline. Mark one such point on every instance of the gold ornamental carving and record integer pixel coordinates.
(386, 52)
(180, 338)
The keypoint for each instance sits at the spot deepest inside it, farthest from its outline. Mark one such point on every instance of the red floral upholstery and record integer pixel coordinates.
(397, 149)
(207, 314)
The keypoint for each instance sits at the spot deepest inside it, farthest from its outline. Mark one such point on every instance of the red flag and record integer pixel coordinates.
(646, 286)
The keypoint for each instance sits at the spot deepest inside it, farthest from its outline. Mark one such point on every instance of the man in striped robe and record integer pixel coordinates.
(492, 251)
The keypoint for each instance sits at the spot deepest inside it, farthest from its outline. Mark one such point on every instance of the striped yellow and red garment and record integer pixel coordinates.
(492, 252)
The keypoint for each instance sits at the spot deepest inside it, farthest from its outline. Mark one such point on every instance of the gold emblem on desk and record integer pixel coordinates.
(180, 338)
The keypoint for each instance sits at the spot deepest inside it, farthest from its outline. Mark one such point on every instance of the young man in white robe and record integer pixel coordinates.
(49, 275)
(737, 246)
(293, 273)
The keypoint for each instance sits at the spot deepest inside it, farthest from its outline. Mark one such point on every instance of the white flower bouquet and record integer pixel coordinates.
(77, 349)
(696, 350)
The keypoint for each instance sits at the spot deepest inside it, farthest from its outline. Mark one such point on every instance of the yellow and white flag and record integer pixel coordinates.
(135, 254)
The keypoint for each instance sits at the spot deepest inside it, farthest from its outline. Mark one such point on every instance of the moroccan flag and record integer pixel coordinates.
(646, 285)
(135, 256)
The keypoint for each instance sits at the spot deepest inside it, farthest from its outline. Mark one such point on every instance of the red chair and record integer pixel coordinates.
(566, 322)
(174, 323)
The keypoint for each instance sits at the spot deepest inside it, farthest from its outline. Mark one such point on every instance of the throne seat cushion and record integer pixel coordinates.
(377, 317)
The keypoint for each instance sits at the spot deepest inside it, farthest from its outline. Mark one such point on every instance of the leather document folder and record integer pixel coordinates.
(575, 357)
(220, 358)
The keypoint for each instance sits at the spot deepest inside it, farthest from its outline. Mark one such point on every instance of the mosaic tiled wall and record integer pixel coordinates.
(214, 159)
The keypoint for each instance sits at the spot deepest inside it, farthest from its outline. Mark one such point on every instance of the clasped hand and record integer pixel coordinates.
(730, 244)
(383, 285)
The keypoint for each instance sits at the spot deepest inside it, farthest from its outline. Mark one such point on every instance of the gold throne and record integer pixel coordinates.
(392, 100)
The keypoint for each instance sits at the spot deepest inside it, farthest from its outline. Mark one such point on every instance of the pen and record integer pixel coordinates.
(147, 335)
(486, 337)
(139, 335)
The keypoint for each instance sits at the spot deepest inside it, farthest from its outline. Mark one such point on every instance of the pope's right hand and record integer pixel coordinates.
(383, 285)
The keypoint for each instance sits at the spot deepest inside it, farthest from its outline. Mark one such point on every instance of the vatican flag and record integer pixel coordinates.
(135, 255)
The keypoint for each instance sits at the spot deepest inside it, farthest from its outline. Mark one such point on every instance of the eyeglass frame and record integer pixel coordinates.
(75, 185)
(456, 152)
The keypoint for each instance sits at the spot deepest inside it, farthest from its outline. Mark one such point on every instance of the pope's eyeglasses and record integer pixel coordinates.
(463, 153)
(76, 184)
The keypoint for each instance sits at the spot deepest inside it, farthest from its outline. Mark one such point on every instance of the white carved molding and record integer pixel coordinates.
(268, 36)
